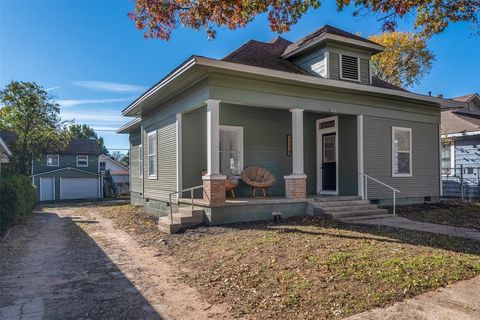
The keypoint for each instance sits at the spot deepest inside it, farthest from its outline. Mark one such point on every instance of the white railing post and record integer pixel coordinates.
(171, 208)
(365, 179)
(394, 202)
(191, 197)
(365, 190)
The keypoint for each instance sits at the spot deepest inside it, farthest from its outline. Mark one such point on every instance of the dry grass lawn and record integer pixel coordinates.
(307, 268)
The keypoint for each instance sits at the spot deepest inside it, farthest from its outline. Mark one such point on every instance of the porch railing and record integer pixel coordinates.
(180, 192)
(366, 177)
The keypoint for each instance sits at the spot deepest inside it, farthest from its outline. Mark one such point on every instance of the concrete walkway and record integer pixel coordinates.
(403, 223)
(460, 301)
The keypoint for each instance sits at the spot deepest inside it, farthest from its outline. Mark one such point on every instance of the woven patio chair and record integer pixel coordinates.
(258, 178)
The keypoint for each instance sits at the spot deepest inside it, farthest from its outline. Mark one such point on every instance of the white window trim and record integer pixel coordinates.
(239, 130)
(58, 160)
(82, 165)
(152, 176)
(410, 174)
(358, 68)
(140, 161)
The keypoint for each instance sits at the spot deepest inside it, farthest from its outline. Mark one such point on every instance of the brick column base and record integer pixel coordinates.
(296, 186)
(214, 189)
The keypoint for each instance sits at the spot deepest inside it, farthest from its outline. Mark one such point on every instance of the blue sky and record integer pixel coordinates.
(91, 57)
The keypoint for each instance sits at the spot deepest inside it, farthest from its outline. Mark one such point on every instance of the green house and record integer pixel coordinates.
(71, 173)
(308, 111)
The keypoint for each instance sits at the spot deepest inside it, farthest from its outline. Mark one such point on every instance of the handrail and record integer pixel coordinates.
(365, 189)
(181, 192)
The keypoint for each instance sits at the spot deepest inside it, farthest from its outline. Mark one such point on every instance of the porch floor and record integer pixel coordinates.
(242, 201)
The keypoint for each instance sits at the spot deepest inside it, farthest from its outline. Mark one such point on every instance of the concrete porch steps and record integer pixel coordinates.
(343, 208)
(185, 218)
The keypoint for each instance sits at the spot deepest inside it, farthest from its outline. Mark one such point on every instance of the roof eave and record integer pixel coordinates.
(328, 83)
(131, 109)
(130, 126)
(375, 48)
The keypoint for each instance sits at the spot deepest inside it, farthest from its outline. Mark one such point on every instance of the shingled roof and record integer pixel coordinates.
(82, 147)
(269, 55)
(265, 55)
(454, 121)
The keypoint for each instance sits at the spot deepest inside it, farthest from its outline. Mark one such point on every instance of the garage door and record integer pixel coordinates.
(79, 188)
(47, 189)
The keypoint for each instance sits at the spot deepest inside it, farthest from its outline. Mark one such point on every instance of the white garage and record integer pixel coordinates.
(79, 188)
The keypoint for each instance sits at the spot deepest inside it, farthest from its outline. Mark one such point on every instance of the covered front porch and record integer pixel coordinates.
(310, 153)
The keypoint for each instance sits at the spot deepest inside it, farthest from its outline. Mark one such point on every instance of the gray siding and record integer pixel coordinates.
(259, 93)
(347, 155)
(265, 140)
(194, 145)
(265, 144)
(378, 158)
(166, 181)
(306, 61)
(364, 72)
(65, 160)
(334, 65)
(134, 165)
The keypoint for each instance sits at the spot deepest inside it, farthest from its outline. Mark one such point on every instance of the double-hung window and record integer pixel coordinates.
(152, 155)
(401, 152)
(52, 160)
(231, 150)
(82, 161)
(140, 161)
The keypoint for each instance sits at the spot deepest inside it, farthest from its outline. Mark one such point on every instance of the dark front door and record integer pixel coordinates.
(329, 162)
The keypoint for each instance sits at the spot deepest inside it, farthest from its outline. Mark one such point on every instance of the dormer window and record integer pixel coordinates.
(349, 68)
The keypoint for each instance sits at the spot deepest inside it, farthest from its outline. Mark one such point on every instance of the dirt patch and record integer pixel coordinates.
(307, 268)
(69, 263)
(466, 215)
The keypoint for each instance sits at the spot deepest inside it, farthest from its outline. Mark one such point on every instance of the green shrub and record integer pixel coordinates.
(17, 198)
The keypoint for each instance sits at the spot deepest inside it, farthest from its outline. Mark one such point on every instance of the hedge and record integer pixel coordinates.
(17, 198)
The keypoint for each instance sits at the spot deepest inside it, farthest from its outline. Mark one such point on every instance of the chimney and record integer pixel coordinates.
(429, 93)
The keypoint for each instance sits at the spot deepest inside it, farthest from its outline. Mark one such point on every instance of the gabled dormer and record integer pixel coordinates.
(334, 54)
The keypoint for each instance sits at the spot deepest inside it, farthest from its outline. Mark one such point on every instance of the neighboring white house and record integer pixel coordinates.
(118, 171)
(5, 153)
(7, 138)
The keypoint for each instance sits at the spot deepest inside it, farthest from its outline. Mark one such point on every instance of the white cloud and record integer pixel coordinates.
(76, 102)
(109, 86)
(52, 88)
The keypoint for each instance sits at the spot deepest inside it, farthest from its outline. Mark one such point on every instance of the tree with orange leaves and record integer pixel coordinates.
(158, 18)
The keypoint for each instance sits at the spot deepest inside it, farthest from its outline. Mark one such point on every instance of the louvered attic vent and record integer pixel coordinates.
(349, 68)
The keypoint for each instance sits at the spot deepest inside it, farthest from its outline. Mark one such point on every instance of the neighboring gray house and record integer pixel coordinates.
(461, 148)
(224, 115)
(73, 173)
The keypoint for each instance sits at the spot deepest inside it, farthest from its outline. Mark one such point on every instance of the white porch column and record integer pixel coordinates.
(213, 137)
(296, 183)
(360, 155)
(297, 141)
(213, 181)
